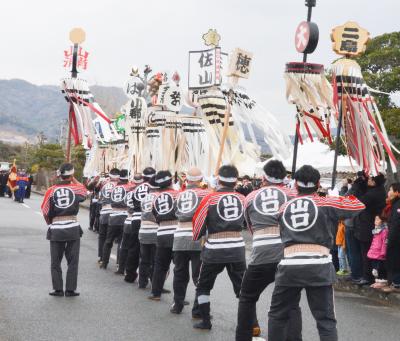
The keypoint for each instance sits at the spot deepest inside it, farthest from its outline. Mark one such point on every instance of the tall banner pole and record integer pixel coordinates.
(348, 40)
(337, 142)
(77, 36)
(309, 4)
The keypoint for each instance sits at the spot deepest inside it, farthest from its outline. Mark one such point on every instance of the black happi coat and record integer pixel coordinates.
(375, 201)
(393, 246)
(219, 212)
(62, 200)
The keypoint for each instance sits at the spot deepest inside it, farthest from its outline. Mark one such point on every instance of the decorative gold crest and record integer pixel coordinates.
(211, 38)
(349, 39)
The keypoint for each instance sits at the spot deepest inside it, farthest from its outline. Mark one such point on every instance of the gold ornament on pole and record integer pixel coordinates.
(77, 35)
(349, 39)
(211, 38)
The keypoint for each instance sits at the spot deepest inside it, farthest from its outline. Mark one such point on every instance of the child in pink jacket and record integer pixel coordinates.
(377, 252)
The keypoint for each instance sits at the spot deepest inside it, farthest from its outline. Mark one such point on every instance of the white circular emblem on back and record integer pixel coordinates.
(147, 203)
(164, 203)
(106, 190)
(129, 199)
(300, 214)
(187, 201)
(63, 197)
(118, 194)
(229, 207)
(141, 191)
(268, 200)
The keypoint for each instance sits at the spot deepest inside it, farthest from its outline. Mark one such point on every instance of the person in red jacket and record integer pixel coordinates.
(60, 208)
(220, 217)
(306, 225)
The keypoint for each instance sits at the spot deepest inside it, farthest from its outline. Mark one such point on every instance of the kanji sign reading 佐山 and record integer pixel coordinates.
(349, 39)
(205, 68)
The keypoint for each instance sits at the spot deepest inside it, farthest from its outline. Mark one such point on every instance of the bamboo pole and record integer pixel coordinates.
(223, 139)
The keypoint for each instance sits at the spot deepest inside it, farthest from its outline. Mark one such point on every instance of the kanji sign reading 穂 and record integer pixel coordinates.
(240, 63)
(306, 37)
(349, 39)
(205, 68)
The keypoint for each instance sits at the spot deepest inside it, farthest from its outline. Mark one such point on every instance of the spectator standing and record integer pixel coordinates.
(3, 183)
(246, 187)
(22, 184)
(393, 244)
(377, 252)
(346, 186)
(375, 201)
(353, 250)
(341, 245)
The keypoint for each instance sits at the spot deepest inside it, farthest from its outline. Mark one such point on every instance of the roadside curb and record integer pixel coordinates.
(390, 299)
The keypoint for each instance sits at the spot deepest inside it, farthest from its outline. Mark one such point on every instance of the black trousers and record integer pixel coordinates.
(129, 255)
(146, 263)
(183, 260)
(321, 303)
(162, 261)
(114, 233)
(92, 214)
(255, 281)
(207, 277)
(102, 238)
(71, 251)
(367, 265)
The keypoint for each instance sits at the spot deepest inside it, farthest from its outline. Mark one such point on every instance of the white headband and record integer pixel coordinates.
(273, 180)
(113, 176)
(123, 177)
(194, 177)
(222, 178)
(68, 172)
(158, 181)
(306, 185)
(148, 175)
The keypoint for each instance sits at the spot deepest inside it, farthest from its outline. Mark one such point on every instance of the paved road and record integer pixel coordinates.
(110, 309)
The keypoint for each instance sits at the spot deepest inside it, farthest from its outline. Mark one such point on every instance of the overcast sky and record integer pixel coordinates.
(120, 34)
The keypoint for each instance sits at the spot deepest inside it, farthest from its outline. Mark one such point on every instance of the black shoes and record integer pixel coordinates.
(60, 293)
(197, 316)
(176, 309)
(119, 272)
(154, 297)
(364, 282)
(203, 325)
(103, 266)
(130, 279)
(165, 291)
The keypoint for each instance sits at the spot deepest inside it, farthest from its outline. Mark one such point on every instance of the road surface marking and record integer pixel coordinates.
(40, 213)
(25, 205)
